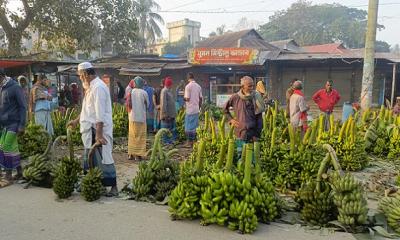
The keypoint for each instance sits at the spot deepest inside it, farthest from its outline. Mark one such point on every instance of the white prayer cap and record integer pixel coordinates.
(84, 65)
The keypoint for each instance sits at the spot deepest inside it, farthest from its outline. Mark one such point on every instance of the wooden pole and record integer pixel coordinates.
(369, 56)
(393, 84)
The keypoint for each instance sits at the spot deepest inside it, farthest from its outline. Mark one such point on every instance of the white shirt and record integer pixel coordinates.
(96, 107)
(193, 93)
(140, 101)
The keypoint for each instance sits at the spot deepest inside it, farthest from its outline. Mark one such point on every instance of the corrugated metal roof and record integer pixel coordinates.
(246, 39)
(347, 54)
(287, 44)
(325, 48)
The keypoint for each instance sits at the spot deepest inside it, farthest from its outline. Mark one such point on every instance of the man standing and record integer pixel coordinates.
(150, 107)
(137, 121)
(156, 101)
(12, 123)
(396, 108)
(180, 95)
(40, 103)
(298, 107)
(248, 107)
(289, 93)
(193, 98)
(168, 110)
(326, 99)
(96, 124)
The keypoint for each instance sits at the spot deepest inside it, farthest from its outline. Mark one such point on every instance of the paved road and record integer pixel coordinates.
(35, 214)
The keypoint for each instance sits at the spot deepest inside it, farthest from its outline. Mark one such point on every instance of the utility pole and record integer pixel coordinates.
(369, 55)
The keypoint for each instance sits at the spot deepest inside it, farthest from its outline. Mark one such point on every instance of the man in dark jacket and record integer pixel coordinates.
(12, 122)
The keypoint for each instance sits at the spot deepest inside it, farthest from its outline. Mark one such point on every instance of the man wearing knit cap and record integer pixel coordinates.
(298, 107)
(168, 110)
(96, 124)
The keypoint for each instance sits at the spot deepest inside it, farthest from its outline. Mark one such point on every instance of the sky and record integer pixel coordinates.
(388, 15)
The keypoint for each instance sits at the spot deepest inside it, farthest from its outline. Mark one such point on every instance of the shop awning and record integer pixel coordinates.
(14, 63)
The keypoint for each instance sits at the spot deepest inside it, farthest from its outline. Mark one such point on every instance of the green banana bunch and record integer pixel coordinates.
(394, 147)
(31, 142)
(157, 177)
(390, 206)
(91, 185)
(66, 176)
(38, 170)
(120, 120)
(180, 124)
(350, 200)
(60, 121)
(243, 217)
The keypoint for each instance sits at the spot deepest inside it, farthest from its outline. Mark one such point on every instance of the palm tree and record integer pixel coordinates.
(148, 22)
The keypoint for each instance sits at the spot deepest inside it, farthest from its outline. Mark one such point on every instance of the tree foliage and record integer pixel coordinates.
(178, 48)
(382, 46)
(68, 26)
(312, 24)
(148, 22)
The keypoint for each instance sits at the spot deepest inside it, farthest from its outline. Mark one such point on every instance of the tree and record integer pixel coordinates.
(382, 46)
(178, 48)
(395, 49)
(68, 25)
(219, 31)
(148, 22)
(245, 23)
(318, 24)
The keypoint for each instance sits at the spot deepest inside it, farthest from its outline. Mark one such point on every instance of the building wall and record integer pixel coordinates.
(346, 80)
(184, 29)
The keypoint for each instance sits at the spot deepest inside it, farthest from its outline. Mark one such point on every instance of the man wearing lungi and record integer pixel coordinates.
(193, 98)
(96, 124)
(12, 123)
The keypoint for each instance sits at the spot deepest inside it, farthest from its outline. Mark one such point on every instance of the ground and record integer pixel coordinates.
(35, 213)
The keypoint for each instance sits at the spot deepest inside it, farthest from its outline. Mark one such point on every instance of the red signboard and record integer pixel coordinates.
(226, 56)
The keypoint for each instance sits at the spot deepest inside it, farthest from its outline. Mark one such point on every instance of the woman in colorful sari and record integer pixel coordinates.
(137, 120)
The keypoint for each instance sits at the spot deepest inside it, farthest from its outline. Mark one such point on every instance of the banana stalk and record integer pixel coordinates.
(199, 161)
(231, 152)
(257, 150)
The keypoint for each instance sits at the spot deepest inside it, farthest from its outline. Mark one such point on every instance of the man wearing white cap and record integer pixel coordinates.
(96, 124)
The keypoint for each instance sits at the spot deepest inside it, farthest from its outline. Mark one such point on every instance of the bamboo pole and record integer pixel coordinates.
(393, 85)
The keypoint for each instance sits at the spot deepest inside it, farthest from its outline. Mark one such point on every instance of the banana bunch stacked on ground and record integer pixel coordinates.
(390, 206)
(91, 185)
(318, 207)
(394, 147)
(350, 200)
(156, 178)
(398, 180)
(184, 200)
(267, 206)
(38, 170)
(180, 125)
(216, 199)
(66, 173)
(66, 176)
(315, 196)
(31, 142)
(350, 147)
(61, 119)
(120, 120)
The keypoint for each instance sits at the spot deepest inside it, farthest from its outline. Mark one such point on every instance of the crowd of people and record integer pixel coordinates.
(148, 110)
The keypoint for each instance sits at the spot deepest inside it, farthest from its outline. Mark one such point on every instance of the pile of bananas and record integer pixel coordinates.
(60, 121)
(120, 120)
(66, 176)
(394, 147)
(91, 185)
(390, 206)
(180, 125)
(31, 142)
(398, 180)
(350, 200)
(66, 173)
(317, 204)
(350, 147)
(156, 178)
(39, 168)
(315, 196)
(184, 200)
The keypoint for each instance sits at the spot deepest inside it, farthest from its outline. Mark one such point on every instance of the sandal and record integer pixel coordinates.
(5, 183)
(113, 192)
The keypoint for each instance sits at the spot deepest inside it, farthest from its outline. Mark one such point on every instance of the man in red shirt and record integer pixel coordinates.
(326, 99)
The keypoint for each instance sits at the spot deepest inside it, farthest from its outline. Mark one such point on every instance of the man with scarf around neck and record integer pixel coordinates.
(298, 107)
(248, 106)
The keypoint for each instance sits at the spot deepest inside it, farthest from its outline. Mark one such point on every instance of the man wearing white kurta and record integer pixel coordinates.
(96, 124)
